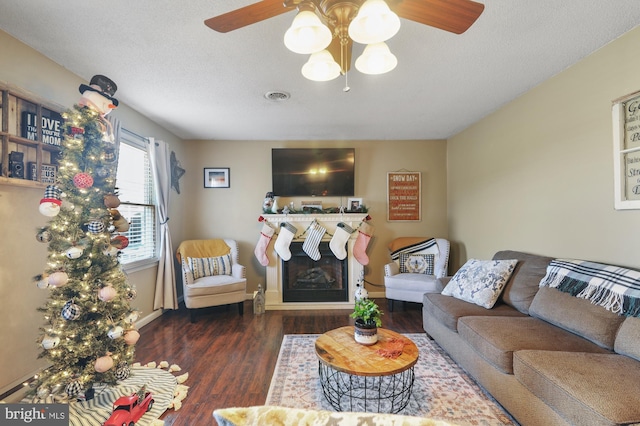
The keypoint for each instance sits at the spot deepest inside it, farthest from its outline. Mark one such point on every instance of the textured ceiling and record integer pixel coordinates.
(200, 84)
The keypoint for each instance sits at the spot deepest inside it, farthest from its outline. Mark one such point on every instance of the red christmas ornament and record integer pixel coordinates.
(120, 242)
(83, 180)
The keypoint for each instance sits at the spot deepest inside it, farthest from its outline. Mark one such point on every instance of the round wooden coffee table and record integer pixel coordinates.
(356, 377)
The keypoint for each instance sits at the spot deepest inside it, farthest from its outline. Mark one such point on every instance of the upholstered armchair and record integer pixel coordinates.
(211, 275)
(417, 265)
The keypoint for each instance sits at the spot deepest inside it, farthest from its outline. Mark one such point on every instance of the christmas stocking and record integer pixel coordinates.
(360, 247)
(312, 243)
(261, 248)
(287, 232)
(339, 240)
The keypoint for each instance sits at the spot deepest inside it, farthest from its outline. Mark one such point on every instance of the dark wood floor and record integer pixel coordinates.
(231, 358)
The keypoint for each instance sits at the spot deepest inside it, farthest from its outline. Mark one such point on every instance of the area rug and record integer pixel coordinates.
(441, 391)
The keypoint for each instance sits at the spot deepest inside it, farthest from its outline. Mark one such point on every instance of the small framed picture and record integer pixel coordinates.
(354, 204)
(216, 177)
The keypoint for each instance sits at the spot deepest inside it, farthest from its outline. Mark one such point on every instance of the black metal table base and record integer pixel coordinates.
(373, 394)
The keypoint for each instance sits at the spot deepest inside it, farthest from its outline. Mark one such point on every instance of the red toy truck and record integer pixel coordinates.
(127, 410)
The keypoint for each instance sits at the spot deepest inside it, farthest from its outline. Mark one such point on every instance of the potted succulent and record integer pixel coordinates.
(367, 315)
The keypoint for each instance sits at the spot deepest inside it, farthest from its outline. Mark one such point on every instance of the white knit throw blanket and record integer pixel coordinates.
(612, 287)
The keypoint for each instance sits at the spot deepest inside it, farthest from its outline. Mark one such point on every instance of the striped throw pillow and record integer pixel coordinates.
(208, 266)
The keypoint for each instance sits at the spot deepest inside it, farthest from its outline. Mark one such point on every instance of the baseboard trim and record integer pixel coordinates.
(146, 320)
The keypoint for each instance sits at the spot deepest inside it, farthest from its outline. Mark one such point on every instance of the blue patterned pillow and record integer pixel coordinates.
(209, 266)
(416, 263)
(480, 281)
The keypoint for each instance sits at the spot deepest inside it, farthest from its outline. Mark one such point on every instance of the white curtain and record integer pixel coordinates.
(165, 296)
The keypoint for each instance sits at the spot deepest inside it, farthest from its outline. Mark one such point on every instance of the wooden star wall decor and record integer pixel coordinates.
(176, 172)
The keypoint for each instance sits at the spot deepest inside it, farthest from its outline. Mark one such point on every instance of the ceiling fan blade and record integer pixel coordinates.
(455, 16)
(247, 15)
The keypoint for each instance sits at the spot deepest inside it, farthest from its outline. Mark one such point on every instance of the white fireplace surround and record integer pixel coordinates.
(273, 293)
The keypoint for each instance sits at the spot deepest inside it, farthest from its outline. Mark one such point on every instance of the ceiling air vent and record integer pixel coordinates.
(277, 96)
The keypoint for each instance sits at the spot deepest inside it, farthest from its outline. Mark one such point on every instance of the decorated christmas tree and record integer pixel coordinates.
(88, 333)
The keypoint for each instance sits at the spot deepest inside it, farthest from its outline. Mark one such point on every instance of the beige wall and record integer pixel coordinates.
(21, 256)
(234, 212)
(537, 175)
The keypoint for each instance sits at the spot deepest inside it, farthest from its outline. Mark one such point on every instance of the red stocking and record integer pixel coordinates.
(362, 241)
(263, 243)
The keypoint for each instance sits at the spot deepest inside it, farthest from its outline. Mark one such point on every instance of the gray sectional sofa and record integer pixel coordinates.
(547, 357)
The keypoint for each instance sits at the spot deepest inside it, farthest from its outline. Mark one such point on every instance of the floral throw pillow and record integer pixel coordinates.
(208, 266)
(480, 281)
(416, 263)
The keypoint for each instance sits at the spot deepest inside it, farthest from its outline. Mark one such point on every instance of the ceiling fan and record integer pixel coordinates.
(455, 16)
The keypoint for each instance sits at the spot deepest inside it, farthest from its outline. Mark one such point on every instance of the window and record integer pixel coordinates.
(137, 202)
(626, 151)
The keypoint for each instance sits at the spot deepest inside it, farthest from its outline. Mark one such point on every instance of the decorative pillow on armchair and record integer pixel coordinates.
(480, 281)
(416, 263)
(208, 266)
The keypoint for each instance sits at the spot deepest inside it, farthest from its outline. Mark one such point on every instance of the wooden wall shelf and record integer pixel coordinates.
(23, 149)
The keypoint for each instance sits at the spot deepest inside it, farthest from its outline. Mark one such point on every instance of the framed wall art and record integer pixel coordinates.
(217, 177)
(404, 196)
(626, 151)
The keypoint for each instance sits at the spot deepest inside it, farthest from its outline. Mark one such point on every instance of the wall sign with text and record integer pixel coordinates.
(626, 151)
(404, 196)
(47, 172)
(51, 128)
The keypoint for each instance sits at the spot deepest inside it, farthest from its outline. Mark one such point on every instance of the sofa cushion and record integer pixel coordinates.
(525, 279)
(480, 281)
(447, 310)
(215, 284)
(576, 315)
(628, 338)
(496, 338)
(584, 388)
(414, 283)
(415, 263)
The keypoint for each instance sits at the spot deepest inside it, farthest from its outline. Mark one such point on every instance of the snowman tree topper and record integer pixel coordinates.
(98, 95)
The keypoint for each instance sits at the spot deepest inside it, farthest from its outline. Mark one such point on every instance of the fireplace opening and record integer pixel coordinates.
(307, 280)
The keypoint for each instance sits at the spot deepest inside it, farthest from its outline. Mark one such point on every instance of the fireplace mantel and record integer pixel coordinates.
(334, 218)
(273, 293)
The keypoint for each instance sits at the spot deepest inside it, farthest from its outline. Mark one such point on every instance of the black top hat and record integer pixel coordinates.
(103, 85)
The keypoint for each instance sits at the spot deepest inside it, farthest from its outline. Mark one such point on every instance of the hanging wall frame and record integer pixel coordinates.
(626, 151)
(404, 196)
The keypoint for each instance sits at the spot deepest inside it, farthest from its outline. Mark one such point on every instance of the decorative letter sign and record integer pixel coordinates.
(403, 196)
(51, 128)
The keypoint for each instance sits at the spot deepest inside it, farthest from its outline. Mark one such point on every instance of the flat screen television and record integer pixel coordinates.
(308, 172)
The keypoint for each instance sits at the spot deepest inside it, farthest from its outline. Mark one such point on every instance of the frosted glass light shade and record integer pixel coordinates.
(321, 67)
(374, 23)
(376, 59)
(307, 34)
